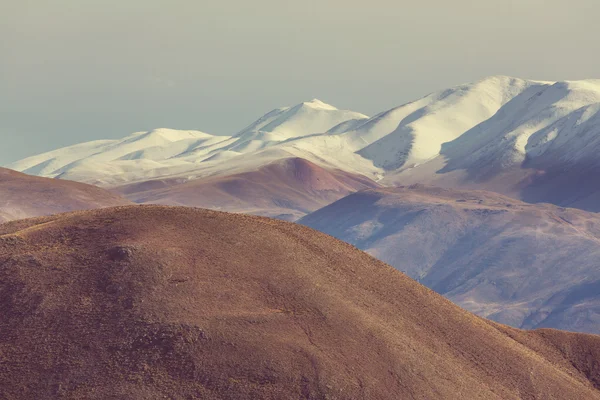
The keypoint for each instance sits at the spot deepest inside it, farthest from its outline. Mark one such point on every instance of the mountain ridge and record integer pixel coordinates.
(25, 196)
(287, 188)
(500, 133)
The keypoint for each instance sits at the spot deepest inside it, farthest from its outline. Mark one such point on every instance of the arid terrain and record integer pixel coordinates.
(310, 200)
(286, 189)
(23, 196)
(153, 302)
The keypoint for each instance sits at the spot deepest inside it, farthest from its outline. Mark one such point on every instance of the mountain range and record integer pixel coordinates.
(494, 148)
(118, 298)
(534, 141)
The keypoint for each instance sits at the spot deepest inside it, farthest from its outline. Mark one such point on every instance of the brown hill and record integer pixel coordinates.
(287, 189)
(526, 265)
(155, 302)
(23, 196)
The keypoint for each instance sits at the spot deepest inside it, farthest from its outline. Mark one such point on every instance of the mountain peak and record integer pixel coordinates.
(318, 104)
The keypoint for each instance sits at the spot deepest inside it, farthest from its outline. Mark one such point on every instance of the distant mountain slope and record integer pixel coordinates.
(156, 302)
(541, 146)
(439, 118)
(526, 265)
(139, 156)
(166, 152)
(286, 189)
(531, 140)
(301, 120)
(528, 128)
(24, 196)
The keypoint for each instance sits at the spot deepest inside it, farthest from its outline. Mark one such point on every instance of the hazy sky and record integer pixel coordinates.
(77, 70)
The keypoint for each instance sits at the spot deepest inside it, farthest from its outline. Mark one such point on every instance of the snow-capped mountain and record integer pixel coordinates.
(523, 138)
(440, 118)
(167, 152)
(526, 128)
(138, 156)
(542, 145)
(301, 120)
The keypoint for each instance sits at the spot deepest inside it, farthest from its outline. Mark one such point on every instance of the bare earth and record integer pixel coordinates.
(286, 189)
(152, 302)
(23, 196)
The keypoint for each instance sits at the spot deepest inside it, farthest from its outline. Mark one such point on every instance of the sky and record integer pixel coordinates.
(79, 70)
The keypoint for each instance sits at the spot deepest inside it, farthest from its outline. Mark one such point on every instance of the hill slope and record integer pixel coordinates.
(287, 189)
(155, 302)
(525, 265)
(541, 146)
(439, 118)
(23, 196)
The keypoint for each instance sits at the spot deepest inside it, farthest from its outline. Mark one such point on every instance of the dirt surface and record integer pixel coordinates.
(24, 196)
(151, 302)
(285, 189)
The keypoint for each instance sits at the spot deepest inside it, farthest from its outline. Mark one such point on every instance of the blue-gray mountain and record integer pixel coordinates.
(525, 265)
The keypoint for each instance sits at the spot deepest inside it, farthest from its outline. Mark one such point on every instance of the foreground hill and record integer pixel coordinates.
(23, 196)
(286, 189)
(526, 265)
(151, 302)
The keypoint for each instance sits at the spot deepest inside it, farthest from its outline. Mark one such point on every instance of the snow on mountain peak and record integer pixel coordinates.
(285, 123)
(174, 135)
(496, 122)
(318, 104)
(423, 126)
